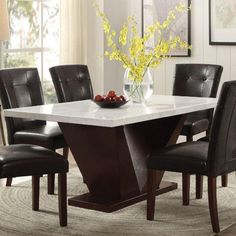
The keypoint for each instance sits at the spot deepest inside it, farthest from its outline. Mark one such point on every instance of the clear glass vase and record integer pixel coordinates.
(138, 91)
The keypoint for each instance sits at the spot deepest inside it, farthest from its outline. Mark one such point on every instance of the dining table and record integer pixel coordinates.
(111, 146)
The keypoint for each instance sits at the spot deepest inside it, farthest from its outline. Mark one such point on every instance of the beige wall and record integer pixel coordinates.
(105, 74)
(202, 52)
(117, 12)
(95, 49)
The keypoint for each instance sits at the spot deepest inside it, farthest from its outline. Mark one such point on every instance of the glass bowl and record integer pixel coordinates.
(110, 104)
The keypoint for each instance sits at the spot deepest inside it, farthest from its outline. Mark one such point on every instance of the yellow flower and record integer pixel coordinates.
(181, 7)
(131, 48)
(123, 35)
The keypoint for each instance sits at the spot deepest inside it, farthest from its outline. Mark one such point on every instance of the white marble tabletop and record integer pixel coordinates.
(88, 113)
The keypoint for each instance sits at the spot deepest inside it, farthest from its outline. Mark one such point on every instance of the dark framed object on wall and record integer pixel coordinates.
(222, 22)
(157, 10)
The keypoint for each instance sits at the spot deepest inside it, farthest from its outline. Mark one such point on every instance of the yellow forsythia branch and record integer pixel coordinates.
(131, 49)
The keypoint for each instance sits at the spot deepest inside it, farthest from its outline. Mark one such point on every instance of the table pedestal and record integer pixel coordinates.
(88, 202)
(112, 161)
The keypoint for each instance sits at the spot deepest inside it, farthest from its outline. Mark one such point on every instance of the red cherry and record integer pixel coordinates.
(122, 98)
(118, 99)
(111, 93)
(98, 98)
(108, 99)
(113, 99)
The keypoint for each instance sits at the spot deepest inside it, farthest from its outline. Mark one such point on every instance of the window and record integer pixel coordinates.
(34, 26)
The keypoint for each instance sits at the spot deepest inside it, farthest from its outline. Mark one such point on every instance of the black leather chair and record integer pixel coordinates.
(214, 158)
(198, 80)
(21, 87)
(30, 160)
(72, 82)
(224, 178)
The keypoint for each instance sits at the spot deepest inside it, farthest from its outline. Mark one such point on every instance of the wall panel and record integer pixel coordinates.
(202, 52)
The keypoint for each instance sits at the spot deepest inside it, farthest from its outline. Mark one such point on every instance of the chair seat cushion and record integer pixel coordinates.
(48, 136)
(194, 125)
(189, 157)
(24, 160)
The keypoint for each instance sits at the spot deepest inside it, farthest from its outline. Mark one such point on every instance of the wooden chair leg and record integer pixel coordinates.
(9, 182)
(51, 177)
(66, 152)
(62, 198)
(189, 138)
(151, 194)
(51, 183)
(186, 188)
(199, 186)
(35, 192)
(224, 180)
(212, 200)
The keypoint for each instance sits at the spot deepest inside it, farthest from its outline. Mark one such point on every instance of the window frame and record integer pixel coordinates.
(42, 50)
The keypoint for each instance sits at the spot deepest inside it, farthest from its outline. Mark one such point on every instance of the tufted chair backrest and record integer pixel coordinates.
(20, 87)
(72, 82)
(222, 140)
(197, 80)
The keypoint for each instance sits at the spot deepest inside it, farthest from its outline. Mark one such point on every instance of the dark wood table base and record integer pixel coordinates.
(112, 161)
(88, 202)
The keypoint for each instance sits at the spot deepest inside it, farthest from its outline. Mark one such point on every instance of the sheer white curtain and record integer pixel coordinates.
(73, 32)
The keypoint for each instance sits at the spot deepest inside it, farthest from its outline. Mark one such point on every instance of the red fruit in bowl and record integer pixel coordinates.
(98, 98)
(108, 99)
(118, 99)
(111, 93)
(122, 98)
(113, 99)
